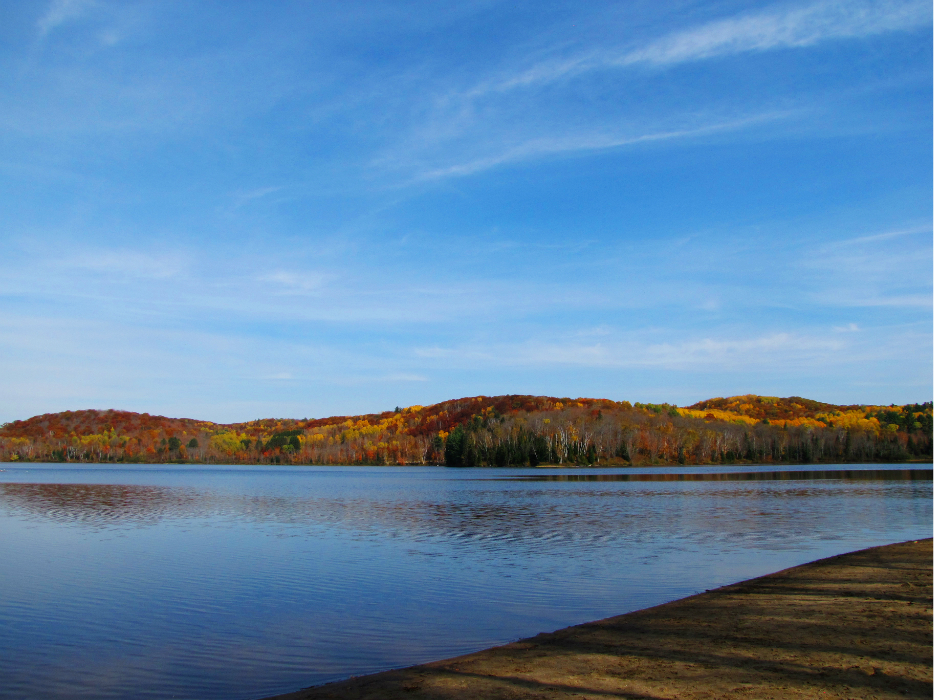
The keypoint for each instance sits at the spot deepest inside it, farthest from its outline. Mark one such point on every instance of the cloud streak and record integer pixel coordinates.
(787, 28)
(780, 28)
(550, 146)
(481, 129)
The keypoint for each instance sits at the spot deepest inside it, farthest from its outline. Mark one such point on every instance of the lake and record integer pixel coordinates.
(239, 582)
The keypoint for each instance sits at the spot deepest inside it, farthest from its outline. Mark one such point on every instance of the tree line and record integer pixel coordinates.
(497, 431)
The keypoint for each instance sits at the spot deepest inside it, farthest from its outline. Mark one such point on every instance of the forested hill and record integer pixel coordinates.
(772, 408)
(496, 431)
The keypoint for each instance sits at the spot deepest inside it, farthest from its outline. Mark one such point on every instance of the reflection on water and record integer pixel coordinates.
(497, 518)
(97, 504)
(200, 583)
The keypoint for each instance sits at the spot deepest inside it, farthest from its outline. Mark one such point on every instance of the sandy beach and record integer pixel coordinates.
(856, 625)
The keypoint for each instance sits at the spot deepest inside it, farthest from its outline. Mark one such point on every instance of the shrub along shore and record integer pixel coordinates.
(852, 626)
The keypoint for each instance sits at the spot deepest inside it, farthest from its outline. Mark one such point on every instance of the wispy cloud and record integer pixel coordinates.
(785, 26)
(703, 353)
(788, 27)
(881, 270)
(479, 127)
(404, 377)
(284, 282)
(548, 146)
(245, 197)
(61, 12)
(871, 300)
(749, 351)
(126, 263)
(876, 237)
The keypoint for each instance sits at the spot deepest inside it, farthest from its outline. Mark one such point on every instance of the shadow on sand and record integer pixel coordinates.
(852, 626)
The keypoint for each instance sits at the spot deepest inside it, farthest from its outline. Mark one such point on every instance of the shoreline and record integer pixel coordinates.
(856, 625)
(602, 465)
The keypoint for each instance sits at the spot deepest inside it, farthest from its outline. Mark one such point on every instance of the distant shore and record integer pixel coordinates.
(497, 431)
(599, 465)
(856, 625)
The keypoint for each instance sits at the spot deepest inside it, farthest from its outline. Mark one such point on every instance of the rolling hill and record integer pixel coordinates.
(496, 431)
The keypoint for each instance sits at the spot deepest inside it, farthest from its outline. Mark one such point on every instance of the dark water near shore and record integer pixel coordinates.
(240, 582)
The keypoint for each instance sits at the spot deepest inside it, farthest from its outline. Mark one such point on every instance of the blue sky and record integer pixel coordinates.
(241, 210)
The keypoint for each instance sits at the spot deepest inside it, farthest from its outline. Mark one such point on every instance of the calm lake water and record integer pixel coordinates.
(241, 582)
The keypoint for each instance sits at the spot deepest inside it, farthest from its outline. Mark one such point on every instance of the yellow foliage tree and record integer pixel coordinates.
(227, 442)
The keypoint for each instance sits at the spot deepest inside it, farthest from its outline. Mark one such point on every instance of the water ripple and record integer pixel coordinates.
(238, 583)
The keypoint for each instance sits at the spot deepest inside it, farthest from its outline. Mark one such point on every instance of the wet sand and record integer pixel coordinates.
(852, 626)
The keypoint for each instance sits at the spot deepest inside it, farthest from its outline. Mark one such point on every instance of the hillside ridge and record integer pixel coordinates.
(498, 430)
